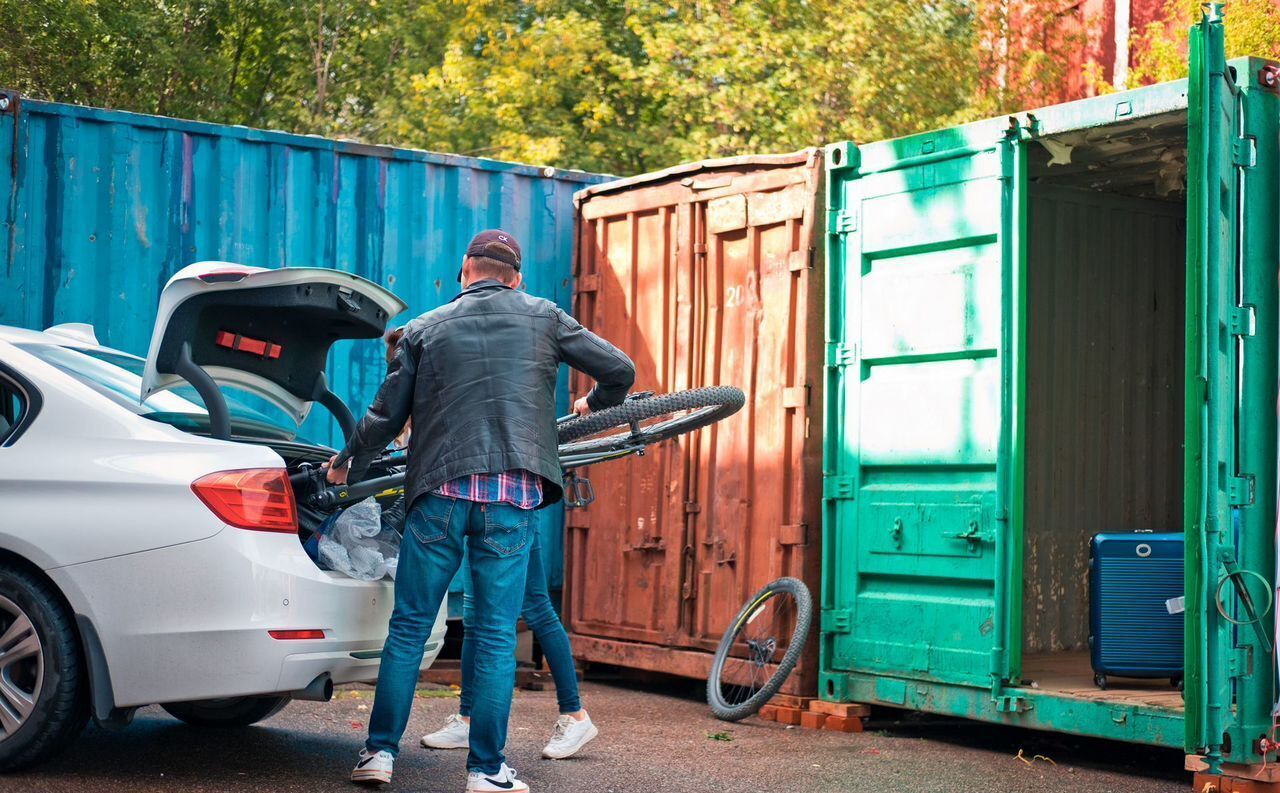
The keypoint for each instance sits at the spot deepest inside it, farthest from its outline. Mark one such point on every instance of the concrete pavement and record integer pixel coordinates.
(654, 739)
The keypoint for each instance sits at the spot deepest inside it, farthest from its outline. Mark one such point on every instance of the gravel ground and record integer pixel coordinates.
(655, 738)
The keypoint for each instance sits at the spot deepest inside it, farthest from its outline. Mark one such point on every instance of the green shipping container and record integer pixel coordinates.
(1042, 327)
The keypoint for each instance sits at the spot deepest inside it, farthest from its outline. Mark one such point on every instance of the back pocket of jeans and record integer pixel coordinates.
(429, 518)
(506, 528)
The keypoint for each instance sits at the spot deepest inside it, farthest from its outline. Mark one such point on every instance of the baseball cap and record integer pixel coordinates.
(495, 244)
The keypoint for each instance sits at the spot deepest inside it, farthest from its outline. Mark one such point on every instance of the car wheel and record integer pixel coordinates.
(44, 684)
(232, 712)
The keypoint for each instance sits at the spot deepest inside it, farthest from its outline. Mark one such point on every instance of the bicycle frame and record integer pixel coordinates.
(392, 484)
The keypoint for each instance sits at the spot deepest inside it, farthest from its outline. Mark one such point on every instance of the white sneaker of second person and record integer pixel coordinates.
(569, 736)
(455, 734)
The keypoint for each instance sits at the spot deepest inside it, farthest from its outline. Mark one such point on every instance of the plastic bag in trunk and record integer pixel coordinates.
(357, 544)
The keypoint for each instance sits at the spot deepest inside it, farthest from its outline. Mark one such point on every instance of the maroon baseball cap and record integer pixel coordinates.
(495, 244)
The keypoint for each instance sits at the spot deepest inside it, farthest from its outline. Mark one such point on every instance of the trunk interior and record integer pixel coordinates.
(1106, 252)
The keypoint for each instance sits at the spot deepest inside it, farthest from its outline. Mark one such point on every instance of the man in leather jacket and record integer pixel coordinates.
(478, 378)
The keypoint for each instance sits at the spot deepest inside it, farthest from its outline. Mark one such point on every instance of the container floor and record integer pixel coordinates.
(1071, 675)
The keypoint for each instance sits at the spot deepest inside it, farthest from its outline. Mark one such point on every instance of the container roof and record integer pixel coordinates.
(268, 136)
(689, 169)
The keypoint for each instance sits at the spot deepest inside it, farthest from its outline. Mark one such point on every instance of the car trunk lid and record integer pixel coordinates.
(264, 331)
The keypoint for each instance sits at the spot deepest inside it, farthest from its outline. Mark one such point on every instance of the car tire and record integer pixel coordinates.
(44, 682)
(231, 712)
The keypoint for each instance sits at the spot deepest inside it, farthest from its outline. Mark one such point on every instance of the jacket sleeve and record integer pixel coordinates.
(387, 415)
(588, 353)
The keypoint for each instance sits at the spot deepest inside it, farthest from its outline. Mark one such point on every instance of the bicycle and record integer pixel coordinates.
(642, 420)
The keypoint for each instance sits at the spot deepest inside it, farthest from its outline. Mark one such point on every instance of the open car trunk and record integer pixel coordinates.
(266, 332)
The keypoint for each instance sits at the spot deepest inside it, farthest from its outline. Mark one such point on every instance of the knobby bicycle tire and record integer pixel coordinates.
(705, 405)
(736, 711)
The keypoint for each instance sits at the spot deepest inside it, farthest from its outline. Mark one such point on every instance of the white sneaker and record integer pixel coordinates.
(373, 767)
(569, 736)
(455, 734)
(502, 782)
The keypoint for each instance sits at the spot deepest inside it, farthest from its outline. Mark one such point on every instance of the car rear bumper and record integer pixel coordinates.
(191, 621)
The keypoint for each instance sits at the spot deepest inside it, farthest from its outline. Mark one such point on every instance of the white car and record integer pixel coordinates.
(151, 551)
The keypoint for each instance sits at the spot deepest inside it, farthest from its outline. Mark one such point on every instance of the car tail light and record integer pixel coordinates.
(256, 498)
(304, 634)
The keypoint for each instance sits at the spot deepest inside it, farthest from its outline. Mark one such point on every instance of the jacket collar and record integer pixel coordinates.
(486, 283)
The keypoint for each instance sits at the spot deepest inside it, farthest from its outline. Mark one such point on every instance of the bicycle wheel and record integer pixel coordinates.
(752, 661)
(642, 421)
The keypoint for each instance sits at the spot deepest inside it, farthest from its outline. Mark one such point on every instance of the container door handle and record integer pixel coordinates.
(972, 535)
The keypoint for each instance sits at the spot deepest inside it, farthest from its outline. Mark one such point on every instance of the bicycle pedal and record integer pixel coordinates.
(578, 492)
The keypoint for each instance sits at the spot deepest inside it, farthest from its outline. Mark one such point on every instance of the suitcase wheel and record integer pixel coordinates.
(1100, 681)
(1176, 682)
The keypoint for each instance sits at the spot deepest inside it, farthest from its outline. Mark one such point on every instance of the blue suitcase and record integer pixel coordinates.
(1132, 576)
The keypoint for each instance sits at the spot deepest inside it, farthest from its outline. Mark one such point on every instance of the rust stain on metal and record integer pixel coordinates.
(705, 274)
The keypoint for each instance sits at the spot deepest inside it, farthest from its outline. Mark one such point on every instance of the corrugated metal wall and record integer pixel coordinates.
(101, 207)
(1104, 394)
(706, 274)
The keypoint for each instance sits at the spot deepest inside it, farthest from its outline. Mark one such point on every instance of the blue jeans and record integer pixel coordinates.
(497, 539)
(542, 619)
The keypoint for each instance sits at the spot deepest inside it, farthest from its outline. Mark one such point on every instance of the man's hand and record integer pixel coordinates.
(335, 475)
(581, 407)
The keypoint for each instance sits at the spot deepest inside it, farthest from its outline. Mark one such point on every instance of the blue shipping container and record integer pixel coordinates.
(102, 207)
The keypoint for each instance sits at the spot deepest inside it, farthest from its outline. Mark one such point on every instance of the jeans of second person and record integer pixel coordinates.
(497, 539)
(542, 619)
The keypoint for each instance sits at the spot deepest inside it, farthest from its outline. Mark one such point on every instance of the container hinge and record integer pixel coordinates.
(793, 534)
(841, 221)
(795, 397)
(1245, 152)
(836, 487)
(841, 354)
(587, 282)
(1010, 703)
(836, 620)
(1240, 662)
(1241, 321)
(1240, 490)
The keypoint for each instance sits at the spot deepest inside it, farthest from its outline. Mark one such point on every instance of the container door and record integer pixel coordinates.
(625, 555)
(922, 474)
(1231, 396)
(750, 483)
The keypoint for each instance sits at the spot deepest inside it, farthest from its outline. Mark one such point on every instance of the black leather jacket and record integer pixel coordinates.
(478, 375)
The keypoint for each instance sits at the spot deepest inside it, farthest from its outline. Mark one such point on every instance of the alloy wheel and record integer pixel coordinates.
(21, 667)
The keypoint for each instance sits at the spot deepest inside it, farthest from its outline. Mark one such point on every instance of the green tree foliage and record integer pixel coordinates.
(1253, 28)
(608, 85)
(642, 85)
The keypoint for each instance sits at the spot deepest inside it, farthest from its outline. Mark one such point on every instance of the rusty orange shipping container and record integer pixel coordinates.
(706, 274)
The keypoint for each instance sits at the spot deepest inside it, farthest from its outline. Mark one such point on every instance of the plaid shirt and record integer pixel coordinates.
(519, 488)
